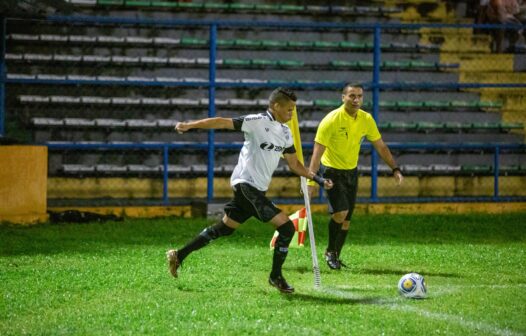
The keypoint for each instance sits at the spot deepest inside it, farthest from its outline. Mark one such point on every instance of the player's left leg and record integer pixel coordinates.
(286, 231)
(254, 202)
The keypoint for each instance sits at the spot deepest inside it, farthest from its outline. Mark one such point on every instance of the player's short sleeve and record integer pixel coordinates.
(290, 150)
(250, 122)
(289, 138)
(323, 134)
(373, 133)
(238, 122)
(289, 142)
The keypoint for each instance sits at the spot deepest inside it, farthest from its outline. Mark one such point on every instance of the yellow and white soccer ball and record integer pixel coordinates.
(412, 286)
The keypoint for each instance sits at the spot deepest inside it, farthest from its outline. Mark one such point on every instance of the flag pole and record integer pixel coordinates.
(295, 129)
(315, 265)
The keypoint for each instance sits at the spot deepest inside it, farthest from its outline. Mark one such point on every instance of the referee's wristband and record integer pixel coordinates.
(397, 169)
(318, 179)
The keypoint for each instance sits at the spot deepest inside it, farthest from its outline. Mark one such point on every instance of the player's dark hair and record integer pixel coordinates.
(281, 95)
(351, 85)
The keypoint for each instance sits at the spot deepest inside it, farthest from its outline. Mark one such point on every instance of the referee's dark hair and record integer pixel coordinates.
(351, 85)
(281, 95)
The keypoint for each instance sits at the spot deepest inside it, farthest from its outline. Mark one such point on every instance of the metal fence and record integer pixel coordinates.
(452, 126)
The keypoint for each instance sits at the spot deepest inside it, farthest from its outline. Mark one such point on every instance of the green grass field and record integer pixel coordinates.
(112, 279)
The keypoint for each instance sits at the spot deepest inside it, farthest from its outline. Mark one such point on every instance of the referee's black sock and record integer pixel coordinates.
(334, 230)
(205, 237)
(281, 248)
(340, 241)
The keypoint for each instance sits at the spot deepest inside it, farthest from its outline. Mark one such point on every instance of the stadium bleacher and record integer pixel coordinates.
(107, 83)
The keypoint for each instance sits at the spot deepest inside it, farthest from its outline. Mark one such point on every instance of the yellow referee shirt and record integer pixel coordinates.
(342, 135)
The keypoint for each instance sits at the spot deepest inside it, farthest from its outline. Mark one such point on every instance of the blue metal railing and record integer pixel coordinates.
(376, 85)
(164, 148)
(211, 110)
(376, 109)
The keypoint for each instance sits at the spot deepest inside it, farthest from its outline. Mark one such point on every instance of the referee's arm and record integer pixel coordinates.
(315, 160)
(386, 155)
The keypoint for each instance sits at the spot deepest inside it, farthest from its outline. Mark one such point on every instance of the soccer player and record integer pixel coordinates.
(337, 146)
(267, 138)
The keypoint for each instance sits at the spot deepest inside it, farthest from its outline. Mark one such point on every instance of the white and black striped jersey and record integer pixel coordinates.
(265, 141)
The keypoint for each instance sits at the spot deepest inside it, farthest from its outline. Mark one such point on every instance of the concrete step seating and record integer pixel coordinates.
(140, 169)
(223, 63)
(133, 144)
(102, 122)
(421, 126)
(402, 105)
(196, 81)
(238, 7)
(201, 169)
(455, 127)
(188, 42)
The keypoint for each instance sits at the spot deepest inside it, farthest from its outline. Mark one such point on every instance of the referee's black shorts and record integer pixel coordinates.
(343, 195)
(249, 201)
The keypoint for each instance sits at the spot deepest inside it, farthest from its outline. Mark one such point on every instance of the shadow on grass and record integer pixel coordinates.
(308, 269)
(332, 297)
(370, 271)
(300, 269)
(400, 271)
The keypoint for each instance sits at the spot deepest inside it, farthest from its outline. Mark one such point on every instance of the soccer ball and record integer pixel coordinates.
(412, 286)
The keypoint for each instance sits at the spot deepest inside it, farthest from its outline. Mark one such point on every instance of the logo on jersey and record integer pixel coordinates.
(253, 118)
(343, 131)
(271, 147)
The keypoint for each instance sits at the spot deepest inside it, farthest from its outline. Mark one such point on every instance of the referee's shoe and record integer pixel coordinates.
(281, 284)
(332, 260)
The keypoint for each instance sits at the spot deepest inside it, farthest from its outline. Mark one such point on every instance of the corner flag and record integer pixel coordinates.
(299, 219)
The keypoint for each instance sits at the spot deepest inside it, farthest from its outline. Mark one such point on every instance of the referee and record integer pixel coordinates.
(267, 138)
(337, 145)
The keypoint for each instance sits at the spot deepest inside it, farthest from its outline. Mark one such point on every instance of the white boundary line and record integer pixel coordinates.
(452, 286)
(483, 327)
(478, 326)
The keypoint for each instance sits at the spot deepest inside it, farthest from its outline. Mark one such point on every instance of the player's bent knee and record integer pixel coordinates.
(230, 222)
(224, 229)
(279, 218)
(286, 232)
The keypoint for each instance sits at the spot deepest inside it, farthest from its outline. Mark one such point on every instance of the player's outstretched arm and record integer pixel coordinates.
(208, 123)
(299, 169)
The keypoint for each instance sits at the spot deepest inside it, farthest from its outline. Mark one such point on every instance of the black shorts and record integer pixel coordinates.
(249, 201)
(343, 195)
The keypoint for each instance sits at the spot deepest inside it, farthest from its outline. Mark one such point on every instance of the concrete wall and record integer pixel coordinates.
(23, 184)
